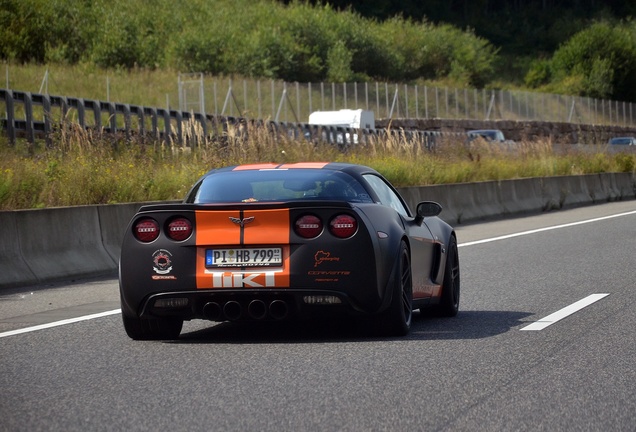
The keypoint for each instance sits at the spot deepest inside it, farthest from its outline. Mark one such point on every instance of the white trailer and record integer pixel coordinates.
(355, 119)
(345, 118)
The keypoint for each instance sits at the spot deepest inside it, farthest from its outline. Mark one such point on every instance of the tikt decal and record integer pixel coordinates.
(240, 280)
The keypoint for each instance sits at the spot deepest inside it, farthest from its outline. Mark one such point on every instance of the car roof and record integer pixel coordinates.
(477, 131)
(625, 140)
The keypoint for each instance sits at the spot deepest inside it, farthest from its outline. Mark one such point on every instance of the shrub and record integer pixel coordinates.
(603, 58)
(539, 73)
(339, 60)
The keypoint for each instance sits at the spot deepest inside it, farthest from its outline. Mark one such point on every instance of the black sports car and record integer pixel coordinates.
(283, 241)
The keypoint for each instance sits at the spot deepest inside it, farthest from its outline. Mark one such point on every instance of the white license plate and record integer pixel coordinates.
(245, 257)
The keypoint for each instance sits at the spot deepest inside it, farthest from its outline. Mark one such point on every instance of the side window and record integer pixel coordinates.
(387, 196)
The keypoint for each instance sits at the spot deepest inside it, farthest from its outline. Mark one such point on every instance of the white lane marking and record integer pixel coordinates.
(566, 311)
(59, 323)
(545, 229)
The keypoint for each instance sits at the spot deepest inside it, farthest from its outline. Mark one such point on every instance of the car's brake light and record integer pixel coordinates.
(343, 226)
(179, 229)
(146, 230)
(308, 226)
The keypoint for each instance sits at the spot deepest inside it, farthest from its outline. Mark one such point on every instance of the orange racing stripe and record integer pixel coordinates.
(314, 165)
(256, 166)
(268, 228)
(304, 165)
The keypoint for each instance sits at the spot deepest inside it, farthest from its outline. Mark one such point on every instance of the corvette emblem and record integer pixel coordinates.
(243, 221)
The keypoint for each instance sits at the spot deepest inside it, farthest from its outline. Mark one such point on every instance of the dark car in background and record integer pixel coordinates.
(628, 140)
(488, 135)
(273, 242)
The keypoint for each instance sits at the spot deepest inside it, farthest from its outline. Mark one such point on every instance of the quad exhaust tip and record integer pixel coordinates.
(212, 311)
(278, 309)
(256, 310)
(233, 310)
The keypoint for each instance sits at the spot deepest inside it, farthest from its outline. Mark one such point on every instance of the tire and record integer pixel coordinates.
(449, 302)
(152, 329)
(396, 320)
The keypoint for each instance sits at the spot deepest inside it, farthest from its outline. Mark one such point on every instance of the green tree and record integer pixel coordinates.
(600, 60)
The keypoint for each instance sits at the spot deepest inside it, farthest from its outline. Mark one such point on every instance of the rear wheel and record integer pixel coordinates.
(449, 302)
(152, 329)
(396, 320)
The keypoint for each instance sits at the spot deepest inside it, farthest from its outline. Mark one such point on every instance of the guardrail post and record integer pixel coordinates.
(28, 112)
(167, 125)
(112, 120)
(152, 112)
(139, 112)
(201, 119)
(81, 110)
(46, 104)
(10, 126)
(179, 118)
(125, 110)
(97, 116)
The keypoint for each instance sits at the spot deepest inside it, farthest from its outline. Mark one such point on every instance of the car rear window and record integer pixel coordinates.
(279, 185)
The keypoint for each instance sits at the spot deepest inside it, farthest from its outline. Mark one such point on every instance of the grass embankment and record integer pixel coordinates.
(83, 168)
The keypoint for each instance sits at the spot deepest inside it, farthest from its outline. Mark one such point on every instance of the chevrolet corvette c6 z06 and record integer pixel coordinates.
(270, 242)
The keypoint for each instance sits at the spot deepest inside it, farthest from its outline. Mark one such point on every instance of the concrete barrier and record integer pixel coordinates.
(471, 202)
(45, 245)
(62, 243)
(13, 269)
(113, 220)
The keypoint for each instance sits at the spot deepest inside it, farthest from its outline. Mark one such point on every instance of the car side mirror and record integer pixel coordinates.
(427, 209)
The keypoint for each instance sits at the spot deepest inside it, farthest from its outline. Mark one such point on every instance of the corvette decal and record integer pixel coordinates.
(234, 229)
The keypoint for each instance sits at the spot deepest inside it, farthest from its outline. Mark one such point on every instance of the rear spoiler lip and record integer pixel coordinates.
(245, 206)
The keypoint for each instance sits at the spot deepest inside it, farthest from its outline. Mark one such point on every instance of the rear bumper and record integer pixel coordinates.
(248, 305)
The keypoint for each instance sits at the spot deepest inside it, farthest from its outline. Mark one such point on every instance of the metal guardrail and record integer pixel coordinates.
(55, 113)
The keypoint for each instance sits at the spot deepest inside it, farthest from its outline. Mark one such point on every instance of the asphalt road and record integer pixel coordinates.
(518, 356)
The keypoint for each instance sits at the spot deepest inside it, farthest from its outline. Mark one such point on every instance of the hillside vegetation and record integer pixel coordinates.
(249, 38)
(302, 42)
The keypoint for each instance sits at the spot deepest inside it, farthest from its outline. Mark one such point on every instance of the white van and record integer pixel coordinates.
(345, 118)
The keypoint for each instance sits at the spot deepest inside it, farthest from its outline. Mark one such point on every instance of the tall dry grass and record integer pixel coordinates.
(87, 167)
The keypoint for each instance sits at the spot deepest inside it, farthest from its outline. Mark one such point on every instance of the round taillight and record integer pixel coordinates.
(308, 226)
(343, 226)
(146, 230)
(179, 229)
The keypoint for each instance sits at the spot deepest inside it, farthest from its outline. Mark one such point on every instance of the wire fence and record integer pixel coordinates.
(293, 102)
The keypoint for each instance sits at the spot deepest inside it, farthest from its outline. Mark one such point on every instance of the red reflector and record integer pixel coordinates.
(179, 229)
(343, 226)
(146, 230)
(308, 226)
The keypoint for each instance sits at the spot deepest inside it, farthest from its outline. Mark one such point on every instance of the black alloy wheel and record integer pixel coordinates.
(449, 303)
(396, 320)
